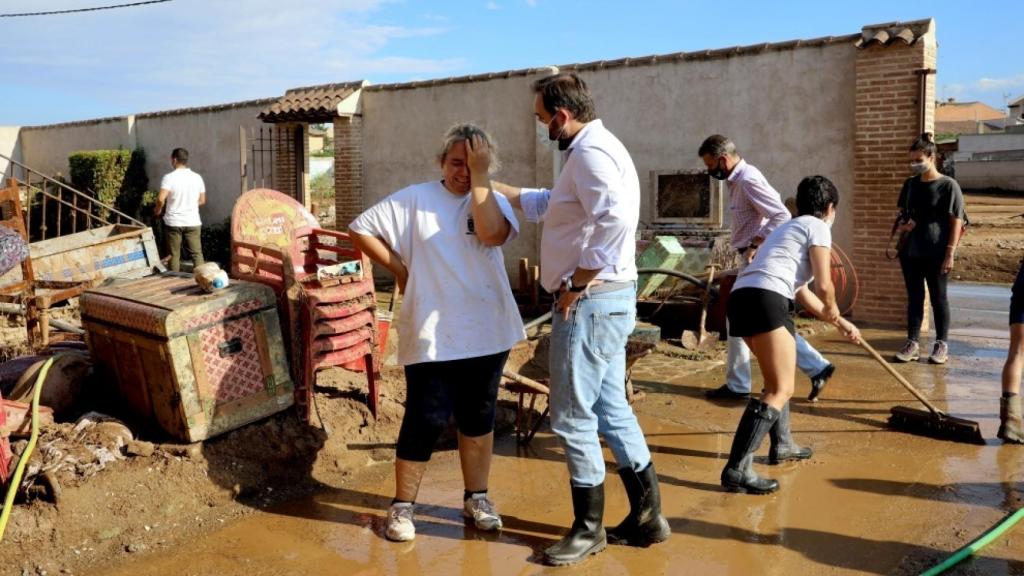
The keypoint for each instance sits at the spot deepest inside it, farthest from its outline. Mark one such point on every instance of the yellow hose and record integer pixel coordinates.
(12, 488)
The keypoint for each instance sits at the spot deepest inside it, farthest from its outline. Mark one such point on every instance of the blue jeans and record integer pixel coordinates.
(737, 374)
(588, 386)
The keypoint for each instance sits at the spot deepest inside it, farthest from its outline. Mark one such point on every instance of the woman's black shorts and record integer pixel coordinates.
(754, 311)
(1017, 300)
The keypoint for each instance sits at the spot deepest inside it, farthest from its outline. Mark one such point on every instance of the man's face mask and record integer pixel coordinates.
(718, 172)
(919, 167)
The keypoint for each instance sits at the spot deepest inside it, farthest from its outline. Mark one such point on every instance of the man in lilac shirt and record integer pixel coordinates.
(756, 209)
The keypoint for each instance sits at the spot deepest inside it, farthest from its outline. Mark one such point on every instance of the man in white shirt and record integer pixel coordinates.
(587, 260)
(182, 192)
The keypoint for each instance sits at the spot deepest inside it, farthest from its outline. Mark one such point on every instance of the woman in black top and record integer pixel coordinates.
(933, 206)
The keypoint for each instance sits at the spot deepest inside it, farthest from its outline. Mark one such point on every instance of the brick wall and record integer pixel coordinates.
(286, 160)
(887, 119)
(348, 169)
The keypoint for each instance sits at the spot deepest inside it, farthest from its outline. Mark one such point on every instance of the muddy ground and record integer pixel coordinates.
(994, 245)
(120, 499)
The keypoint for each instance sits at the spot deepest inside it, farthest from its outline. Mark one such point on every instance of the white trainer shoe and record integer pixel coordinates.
(480, 508)
(400, 526)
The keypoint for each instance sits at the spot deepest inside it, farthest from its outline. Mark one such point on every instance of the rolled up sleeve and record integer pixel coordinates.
(599, 189)
(535, 203)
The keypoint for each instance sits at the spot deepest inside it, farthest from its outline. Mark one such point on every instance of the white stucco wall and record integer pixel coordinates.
(46, 148)
(211, 135)
(402, 132)
(1008, 175)
(212, 140)
(970, 143)
(790, 112)
(10, 146)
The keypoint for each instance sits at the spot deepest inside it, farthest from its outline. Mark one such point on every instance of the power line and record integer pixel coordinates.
(77, 10)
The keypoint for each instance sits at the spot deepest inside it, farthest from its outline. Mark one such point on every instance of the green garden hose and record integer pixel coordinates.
(12, 488)
(979, 543)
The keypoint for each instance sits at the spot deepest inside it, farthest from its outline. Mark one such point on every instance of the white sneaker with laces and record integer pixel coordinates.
(480, 508)
(400, 526)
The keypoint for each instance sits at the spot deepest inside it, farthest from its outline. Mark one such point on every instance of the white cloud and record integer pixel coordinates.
(531, 3)
(194, 52)
(994, 84)
(492, 5)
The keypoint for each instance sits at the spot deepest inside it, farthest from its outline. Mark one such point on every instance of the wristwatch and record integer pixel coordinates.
(569, 285)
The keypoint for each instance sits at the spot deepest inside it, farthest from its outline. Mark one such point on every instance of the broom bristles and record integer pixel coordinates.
(942, 426)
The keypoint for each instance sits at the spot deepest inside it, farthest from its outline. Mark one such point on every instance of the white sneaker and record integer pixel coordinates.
(480, 508)
(400, 526)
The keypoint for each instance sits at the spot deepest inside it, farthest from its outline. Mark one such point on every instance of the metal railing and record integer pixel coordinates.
(76, 211)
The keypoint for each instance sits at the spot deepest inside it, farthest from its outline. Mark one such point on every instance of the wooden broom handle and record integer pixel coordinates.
(899, 377)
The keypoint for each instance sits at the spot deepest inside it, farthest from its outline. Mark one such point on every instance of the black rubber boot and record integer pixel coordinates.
(644, 525)
(586, 536)
(783, 448)
(739, 475)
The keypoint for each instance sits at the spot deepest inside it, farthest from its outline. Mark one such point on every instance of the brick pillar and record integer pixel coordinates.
(348, 170)
(285, 159)
(888, 119)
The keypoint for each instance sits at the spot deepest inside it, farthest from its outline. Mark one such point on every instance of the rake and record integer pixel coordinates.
(933, 422)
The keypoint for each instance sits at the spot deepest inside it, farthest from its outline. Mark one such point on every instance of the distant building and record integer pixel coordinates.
(1017, 111)
(317, 139)
(990, 161)
(952, 117)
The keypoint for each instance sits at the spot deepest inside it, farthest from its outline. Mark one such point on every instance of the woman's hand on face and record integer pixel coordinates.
(478, 156)
(849, 330)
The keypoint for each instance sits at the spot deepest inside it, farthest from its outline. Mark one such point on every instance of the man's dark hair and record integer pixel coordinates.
(717, 145)
(925, 143)
(569, 91)
(180, 155)
(814, 194)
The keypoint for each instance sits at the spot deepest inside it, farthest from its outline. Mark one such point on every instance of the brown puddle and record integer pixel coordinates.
(871, 500)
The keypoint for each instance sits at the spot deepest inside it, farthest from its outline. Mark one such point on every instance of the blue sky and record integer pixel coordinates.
(199, 52)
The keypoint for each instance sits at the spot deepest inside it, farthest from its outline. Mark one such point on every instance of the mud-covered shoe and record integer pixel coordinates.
(911, 352)
(723, 392)
(940, 353)
(819, 380)
(481, 510)
(1011, 426)
(400, 526)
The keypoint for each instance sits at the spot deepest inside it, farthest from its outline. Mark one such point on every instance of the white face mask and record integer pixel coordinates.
(918, 168)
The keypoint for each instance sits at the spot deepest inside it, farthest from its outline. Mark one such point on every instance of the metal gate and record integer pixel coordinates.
(270, 157)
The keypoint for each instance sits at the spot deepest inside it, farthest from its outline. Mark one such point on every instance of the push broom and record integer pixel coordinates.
(933, 422)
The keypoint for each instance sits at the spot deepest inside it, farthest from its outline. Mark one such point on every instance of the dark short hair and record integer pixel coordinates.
(569, 91)
(717, 145)
(180, 155)
(814, 194)
(925, 143)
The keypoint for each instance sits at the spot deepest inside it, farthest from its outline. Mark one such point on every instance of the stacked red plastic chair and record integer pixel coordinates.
(329, 321)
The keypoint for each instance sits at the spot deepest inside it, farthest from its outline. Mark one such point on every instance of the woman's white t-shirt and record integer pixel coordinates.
(782, 263)
(458, 301)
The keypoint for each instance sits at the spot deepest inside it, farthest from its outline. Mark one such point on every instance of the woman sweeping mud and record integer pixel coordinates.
(760, 311)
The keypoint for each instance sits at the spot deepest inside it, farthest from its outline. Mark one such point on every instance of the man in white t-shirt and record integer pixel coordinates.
(442, 241)
(182, 192)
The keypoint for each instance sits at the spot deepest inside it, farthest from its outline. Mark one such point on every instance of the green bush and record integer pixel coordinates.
(322, 188)
(114, 177)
